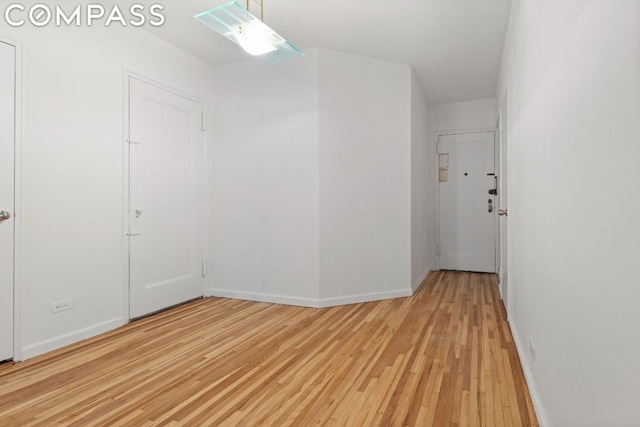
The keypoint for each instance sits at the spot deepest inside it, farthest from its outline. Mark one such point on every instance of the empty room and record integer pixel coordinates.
(295, 213)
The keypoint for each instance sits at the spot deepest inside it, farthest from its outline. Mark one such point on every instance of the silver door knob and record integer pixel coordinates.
(502, 212)
(4, 215)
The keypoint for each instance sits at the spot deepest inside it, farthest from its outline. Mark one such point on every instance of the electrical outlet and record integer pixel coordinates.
(532, 350)
(57, 307)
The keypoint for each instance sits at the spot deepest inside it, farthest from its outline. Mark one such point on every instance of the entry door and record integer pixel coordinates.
(166, 199)
(504, 203)
(467, 212)
(7, 189)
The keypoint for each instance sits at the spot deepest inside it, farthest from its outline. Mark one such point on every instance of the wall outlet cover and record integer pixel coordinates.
(57, 307)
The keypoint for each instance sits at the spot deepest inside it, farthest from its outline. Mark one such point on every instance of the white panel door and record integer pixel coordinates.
(467, 212)
(7, 189)
(166, 199)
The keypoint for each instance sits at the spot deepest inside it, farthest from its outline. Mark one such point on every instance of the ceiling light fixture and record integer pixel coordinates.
(238, 25)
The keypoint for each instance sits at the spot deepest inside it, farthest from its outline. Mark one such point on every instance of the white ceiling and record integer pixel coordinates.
(454, 46)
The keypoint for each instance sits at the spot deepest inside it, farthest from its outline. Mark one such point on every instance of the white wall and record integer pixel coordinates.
(573, 71)
(365, 160)
(264, 160)
(264, 240)
(423, 257)
(72, 171)
(467, 115)
(312, 180)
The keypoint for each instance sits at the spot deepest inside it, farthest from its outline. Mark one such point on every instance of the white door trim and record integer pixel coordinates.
(505, 160)
(126, 76)
(17, 214)
(437, 135)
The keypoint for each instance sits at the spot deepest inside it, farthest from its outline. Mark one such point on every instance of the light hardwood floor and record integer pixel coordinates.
(442, 357)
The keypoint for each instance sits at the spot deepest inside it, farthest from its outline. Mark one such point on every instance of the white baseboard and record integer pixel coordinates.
(309, 302)
(536, 399)
(424, 275)
(259, 297)
(374, 296)
(60, 341)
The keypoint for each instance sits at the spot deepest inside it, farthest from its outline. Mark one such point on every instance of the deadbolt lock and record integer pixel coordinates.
(494, 191)
(490, 208)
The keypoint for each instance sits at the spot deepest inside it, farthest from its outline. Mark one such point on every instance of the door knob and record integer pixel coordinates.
(4, 215)
(502, 212)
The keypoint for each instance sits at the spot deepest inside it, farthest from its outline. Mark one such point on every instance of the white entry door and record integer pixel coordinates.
(467, 211)
(166, 199)
(7, 189)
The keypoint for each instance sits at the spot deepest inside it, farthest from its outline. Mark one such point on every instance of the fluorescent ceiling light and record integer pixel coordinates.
(255, 38)
(241, 27)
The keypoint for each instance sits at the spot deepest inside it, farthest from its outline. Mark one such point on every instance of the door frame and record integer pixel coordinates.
(504, 161)
(127, 74)
(438, 134)
(17, 203)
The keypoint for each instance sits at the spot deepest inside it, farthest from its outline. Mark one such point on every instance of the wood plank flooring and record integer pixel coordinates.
(444, 357)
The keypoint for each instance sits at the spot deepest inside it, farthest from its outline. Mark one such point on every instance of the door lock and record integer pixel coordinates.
(490, 208)
(494, 191)
(4, 215)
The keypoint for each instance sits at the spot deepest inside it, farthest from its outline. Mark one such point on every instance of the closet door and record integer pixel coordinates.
(167, 199)
(7, 196)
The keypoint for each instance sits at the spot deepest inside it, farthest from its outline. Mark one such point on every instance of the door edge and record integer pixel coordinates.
(17, 201)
